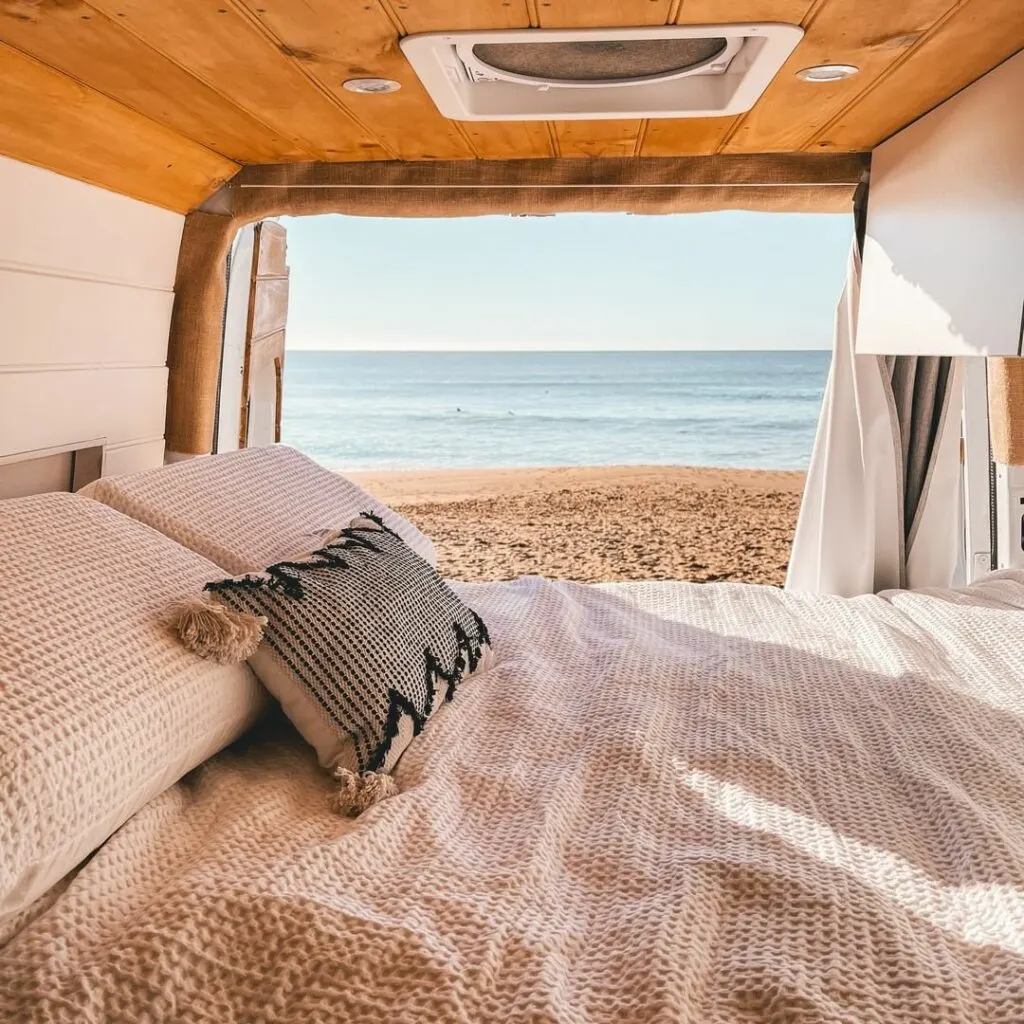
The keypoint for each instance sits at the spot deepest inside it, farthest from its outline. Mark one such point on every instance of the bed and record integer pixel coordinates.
(664, 802)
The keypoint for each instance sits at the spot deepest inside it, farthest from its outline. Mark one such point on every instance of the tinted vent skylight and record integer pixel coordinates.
(599, 60)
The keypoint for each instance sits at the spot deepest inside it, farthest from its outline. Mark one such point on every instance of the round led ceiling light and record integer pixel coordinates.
(372, 86)
(828, 72)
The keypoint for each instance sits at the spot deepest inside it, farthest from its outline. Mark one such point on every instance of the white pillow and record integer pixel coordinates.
(101, 708)
(247, 509)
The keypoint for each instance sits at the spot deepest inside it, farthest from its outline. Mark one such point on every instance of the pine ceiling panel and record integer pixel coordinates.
(728, 12)
(218, 43)
(92, 48)
(686, 136)
(459, 15)
(261, 81)
(871, 34)
(603, 13)
(336, 42)
(49, 120)
(699, 136)
(977, 36)
(509, 140)
(491, 140)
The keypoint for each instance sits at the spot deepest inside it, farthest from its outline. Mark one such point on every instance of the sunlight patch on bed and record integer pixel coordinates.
(981, 914)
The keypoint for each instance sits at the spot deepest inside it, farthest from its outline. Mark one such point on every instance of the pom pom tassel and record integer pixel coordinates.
(359, 790)
(211, 630)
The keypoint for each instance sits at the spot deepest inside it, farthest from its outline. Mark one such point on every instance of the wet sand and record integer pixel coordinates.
(601, 524)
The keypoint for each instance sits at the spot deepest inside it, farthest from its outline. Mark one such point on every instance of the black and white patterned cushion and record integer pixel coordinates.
(363, 642)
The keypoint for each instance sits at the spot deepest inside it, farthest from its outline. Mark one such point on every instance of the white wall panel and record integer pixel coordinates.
(133, 456)
(944, 251)
(53, 222)
(48, 408)
(86, 289)
(49, 321)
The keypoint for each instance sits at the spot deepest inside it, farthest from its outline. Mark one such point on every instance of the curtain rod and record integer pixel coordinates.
(687, 184)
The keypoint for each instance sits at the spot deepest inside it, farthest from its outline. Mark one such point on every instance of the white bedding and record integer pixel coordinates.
(667, 802)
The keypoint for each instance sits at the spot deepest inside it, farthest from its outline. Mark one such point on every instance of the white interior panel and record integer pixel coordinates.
(49, 321)
(45, 409)
(58, 224)
(944, 252)
(86, 289)
(131, 456)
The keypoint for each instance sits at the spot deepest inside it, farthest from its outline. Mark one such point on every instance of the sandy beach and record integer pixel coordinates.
(601, 524)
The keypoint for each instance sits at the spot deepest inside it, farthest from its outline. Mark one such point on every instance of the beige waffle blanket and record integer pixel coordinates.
(667, 802)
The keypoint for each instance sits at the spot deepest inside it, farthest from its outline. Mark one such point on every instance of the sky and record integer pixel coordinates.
(569, 282)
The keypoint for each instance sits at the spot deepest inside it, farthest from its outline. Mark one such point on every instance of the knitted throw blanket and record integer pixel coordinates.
(666, 802)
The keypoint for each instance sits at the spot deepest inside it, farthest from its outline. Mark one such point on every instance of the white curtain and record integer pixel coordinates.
(852, 536)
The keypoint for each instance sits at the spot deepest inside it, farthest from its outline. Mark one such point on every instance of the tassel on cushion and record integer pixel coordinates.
(212, 630)
(359, 790)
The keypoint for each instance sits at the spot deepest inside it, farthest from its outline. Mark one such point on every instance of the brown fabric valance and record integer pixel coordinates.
(779, 183)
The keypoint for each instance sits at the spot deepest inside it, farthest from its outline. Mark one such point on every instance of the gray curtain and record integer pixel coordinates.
(920, 386)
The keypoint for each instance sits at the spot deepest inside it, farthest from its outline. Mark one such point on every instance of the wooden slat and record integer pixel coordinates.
(686, 136)
(666, 136)
(602, 13)
(335, 43)
(977, 36)
(458, 15)
(728, 12)
(49, 120)
(509, 140)
(219, 45)
(491, 140)
(600, 138)
(597, 138)
(871, 34)
(94, 49)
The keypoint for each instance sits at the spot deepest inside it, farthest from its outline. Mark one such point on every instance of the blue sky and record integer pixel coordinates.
(575, 281)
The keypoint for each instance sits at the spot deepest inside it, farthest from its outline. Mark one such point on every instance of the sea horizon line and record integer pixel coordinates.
(552, 351)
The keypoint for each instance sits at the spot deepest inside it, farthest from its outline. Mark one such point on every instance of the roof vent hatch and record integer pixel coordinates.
(538, 74)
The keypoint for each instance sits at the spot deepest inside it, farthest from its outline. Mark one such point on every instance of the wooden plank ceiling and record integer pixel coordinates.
(164, 99)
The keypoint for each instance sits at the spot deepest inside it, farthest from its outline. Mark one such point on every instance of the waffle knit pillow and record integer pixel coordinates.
(360, 642)
(100, 708)
(247, 509)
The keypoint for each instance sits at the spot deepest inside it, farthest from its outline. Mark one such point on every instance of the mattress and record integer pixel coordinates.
(665, 802)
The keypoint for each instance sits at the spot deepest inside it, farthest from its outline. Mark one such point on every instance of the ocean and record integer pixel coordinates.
(414, 410)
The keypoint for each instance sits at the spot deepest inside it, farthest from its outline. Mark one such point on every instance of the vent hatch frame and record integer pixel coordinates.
(466, 88)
